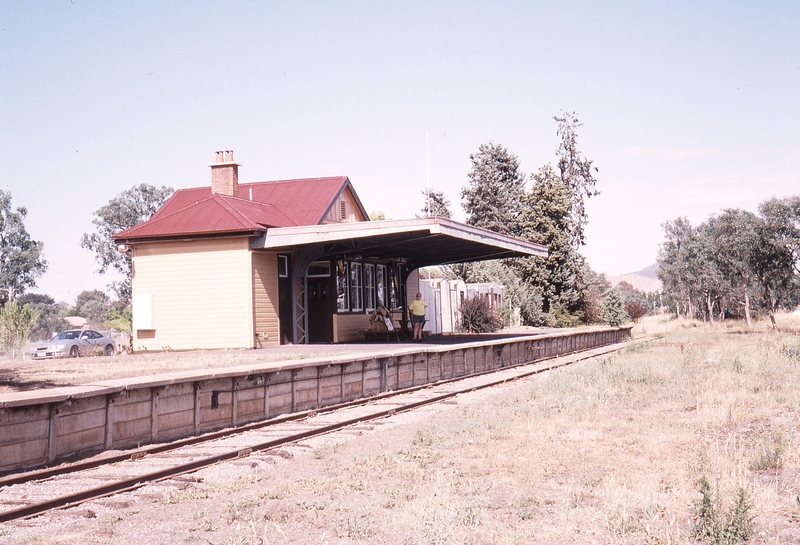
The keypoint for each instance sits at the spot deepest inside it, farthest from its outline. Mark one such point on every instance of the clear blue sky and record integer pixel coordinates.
(688, 107)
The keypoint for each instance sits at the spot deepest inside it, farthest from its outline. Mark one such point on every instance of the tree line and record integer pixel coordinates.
(558, 290)
(734, 265)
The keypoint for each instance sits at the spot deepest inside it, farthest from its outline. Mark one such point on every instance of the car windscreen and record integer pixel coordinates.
(66, 335)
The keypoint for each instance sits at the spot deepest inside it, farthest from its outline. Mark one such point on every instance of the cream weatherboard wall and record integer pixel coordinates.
(344, 209)
(193, 294)
(265, 299)
(349, 327)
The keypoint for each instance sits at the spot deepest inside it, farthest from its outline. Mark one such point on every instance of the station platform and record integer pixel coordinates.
(44, 425)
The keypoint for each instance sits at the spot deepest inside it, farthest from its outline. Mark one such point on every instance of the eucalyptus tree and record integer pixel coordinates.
(50, 319)
(710, 281)
(771, 264)
(736, 256)
(734, 237)
(129, 208)
(782, 217)
(94, 305)
(21, 257)
(702, 267)
(676, 260)
(576, 175)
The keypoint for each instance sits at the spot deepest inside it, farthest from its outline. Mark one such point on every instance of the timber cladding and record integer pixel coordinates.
(265, 298)
(40, 428)
(199, 294)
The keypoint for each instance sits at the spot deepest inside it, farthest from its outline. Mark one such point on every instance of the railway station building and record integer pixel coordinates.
(249, 265)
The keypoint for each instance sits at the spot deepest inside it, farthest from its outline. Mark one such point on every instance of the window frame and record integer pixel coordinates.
(355, 278)
(342, 287)
(395, 291)
(320, 264)
(283, 266)
(381, 285)
(370, 299)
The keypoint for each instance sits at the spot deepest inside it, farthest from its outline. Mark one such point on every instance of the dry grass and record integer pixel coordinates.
(607, 451)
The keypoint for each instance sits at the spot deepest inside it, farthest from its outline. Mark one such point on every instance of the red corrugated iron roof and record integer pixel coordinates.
(306, 201)
(283, 203)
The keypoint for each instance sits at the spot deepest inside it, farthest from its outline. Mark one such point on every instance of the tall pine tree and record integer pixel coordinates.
(496, 189)
(546, 220)
(436, 205)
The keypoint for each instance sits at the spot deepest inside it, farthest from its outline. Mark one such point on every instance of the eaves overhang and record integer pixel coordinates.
(421, 242)
(188, 236)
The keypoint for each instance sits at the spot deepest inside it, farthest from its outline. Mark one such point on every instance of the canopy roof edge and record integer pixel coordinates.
(424, 241)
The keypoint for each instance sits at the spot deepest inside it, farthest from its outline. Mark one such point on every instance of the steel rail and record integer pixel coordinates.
(142, 480)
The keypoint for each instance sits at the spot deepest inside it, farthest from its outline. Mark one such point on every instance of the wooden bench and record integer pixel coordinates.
(371, 335)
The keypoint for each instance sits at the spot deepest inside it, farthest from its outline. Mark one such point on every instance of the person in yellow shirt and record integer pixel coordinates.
(417, 308)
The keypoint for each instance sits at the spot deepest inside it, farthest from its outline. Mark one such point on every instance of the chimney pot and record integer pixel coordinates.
(224, 174)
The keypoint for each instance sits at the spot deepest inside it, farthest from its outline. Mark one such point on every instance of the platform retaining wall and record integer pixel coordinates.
(47, 426)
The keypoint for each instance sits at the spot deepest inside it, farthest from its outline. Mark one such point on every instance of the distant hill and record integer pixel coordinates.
(644, 280)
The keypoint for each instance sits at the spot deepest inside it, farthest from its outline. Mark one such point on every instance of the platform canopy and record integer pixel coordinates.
(420, 242)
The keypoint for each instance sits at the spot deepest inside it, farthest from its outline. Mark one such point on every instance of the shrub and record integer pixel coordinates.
(16, 323)
(562, 317)
(478, 317)
(635, 310)
(771, 456)
(731, 528)
(612, 309)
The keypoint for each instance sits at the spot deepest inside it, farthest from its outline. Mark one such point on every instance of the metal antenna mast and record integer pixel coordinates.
(428, 169)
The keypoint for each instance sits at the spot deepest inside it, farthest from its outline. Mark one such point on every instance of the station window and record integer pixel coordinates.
(356, 296)
(283, 266)
(319, 269)
(394, 287)
(380, 285)
(341, 287)
(369, 286)
(365, 286)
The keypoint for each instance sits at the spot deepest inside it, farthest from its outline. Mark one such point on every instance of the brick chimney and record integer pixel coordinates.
(225, 174)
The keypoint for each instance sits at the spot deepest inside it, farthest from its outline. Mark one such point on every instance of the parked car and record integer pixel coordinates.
(74, 343)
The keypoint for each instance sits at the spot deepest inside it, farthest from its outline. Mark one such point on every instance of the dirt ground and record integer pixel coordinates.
(609, 450)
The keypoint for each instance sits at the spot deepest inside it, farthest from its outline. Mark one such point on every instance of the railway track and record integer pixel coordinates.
(29, 494)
